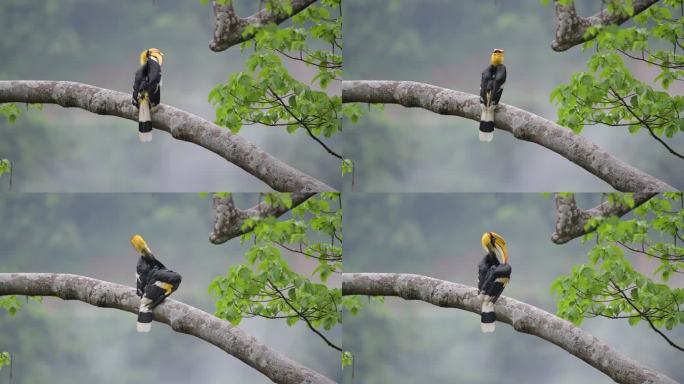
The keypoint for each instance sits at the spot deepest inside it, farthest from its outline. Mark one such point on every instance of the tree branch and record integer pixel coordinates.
(180, 124)
(228, 219)
(523, 317)
(229, 28)
(571, 220)
(522, 124)
(570, 28)
(181, 317)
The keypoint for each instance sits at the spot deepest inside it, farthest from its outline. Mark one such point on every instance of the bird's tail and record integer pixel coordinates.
(144, 316)
(488, 317)
(144, 120)
(487, 123)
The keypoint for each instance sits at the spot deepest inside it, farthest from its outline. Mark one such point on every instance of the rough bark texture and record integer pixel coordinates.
(228, 218)
(522, 124)
(181, 317)
(570, 28)
(570, 219)
(180, 124)
(523, 317)
(229, 28)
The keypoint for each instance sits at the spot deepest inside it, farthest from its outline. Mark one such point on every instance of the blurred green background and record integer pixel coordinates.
(88, 234)
(448, 43)
(439, 235)
(98, 42)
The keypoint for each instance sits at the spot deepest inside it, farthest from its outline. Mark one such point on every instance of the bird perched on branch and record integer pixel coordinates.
(153, 283)
(493, 276)
(147, 90)
(491, 88)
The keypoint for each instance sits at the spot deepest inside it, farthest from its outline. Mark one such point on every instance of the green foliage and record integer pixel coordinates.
(267, 93)
(611, 285)
(609, 93)
(5, 359)
(268, 286)
(11, 304)
(10, 111)
(5, 166)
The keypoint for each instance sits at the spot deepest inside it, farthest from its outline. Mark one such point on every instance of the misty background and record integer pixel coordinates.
(438, 235)
(448, 43)
(89, 234)
(98, 42)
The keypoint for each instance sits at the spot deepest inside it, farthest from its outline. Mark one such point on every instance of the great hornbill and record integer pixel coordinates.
(491, 88)
(147, 90)
(493, 276)
(153, 283)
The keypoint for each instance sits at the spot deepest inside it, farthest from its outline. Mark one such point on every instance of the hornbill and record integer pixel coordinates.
(491, 88)
(147, 90)
(493, 276)
(153, 283)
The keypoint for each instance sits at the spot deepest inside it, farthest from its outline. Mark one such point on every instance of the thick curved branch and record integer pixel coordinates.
(570, 28)
(228, 218)
(522, 124)
(181, 317)
(229, 28)
(180, 124)
(523, 317)
(571, 220)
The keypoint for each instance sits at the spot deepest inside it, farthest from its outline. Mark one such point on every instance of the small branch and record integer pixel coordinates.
(570, 28)
(304, 125)
(228, 219)
(180, 317)
(229, 28)
(645, 317)
(523, 317)
(645, 124)
(522, 124)
(180, 124)
(303, 317)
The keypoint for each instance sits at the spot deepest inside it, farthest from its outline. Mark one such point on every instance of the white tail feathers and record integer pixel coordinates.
(143, 327)
(144, 121)
(146, 137)
(487, 113)
(488, 318)
(487, 327)
(486, 136)
(144, 111)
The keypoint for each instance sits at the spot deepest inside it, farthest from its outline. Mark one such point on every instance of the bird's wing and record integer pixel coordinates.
(497, 280)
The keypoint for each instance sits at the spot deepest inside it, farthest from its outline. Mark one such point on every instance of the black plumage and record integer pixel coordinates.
(154, 283)
(493, 276)
(491, 89)
(147, 91)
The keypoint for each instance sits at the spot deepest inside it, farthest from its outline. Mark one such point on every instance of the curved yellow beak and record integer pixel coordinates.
(140, 245)
(492, 241)
(151, 52)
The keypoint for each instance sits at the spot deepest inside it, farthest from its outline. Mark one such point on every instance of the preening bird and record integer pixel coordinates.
(147, 90)
(491, 88)
(493, 276)
(154, 282)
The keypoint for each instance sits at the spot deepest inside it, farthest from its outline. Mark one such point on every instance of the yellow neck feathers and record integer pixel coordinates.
(497, 57)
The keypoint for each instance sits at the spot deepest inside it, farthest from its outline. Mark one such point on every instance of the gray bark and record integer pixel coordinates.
(228, 218)
(229, 28)
(571, 220)
(181, 317)
(523, 317)
(180, 124)
(570, 28)
(522, 124)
